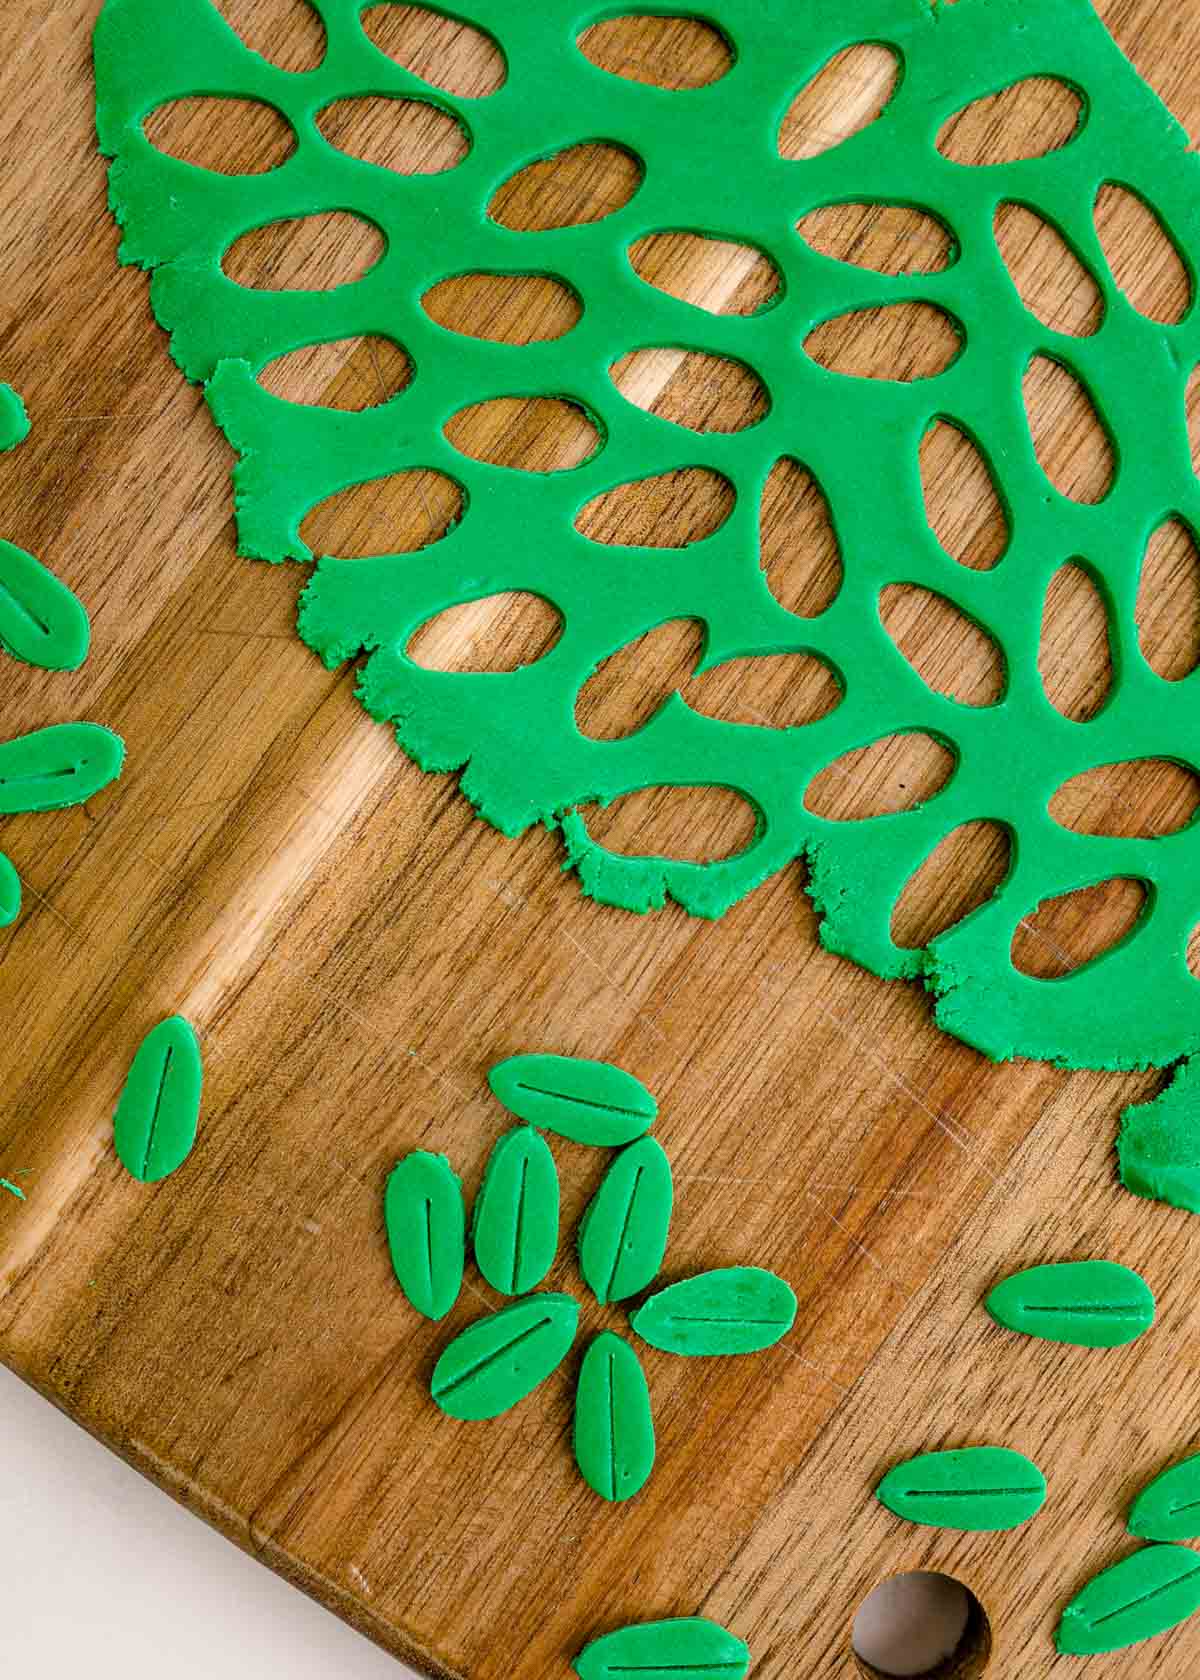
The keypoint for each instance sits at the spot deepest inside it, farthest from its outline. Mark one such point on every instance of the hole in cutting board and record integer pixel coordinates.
(924, 1626)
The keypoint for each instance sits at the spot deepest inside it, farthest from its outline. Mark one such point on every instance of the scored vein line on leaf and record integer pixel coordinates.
(612, 1276)
(612, 1425)
(520, 1222)
(1127, 1310)
(682, 1318)
(23, 609)
(1154, 1592)
(490, 1358)
(157, 1109)
(590, 1102)
(965, 1493)
(679, 1668)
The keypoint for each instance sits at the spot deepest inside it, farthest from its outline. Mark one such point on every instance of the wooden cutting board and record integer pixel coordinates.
(356, 950)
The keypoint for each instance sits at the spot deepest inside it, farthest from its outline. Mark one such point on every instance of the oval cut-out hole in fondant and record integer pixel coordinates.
(895, 341)
(1072, 446)
(1137, 799)
(669, 510)
(1168, 602)
(444, 51)
(798, 547)
(847, 95)
(1144, 260)
(691, 388)
(395, 514)
(962, 507)
(630, 686)
(1061, 934)
(305, 253)
(961, 873)
(948, 650)
(670, 52)
(887, 238)
(689, 824)
(896, 773)
(496, 633)
(719, 275)
(1193, 952)
(287, 32)
(229, 136)
(1027, 119)
(409, 136)
(350, 374)
(527, 434)
(767, 690)
(577, 185)
(1075, 657)
(504, 308)
(1051, 281)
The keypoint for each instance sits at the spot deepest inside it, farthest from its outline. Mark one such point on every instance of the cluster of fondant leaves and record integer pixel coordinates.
(42, 623)
(622, 1240)
(1091, 1303)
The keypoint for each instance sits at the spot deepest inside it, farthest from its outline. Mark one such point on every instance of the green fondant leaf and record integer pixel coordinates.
(14, 422)
(63, 765)
(588, 1102)
(614, 1429)
(10, 891)
(739, 1309)
(154, 1127)
(41, 621)
(514, 1231)
(688, 1648)
(423, 1211)
(623, 1235)
(1168, 1508)
(500, 1359)
(976, 1488)
(1090, 1303)
(1143, 1595)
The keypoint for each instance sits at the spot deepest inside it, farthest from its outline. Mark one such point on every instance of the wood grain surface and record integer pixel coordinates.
(356, 950)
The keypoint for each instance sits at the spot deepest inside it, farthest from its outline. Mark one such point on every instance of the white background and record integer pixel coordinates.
(101, 1575)
(104, 1576)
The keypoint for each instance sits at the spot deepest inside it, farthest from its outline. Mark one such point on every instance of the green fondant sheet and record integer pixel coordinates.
(711, 164)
